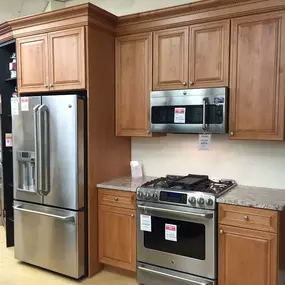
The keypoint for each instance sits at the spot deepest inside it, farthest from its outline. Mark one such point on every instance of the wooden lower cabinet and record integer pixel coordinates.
(117, 236)
(247, 257)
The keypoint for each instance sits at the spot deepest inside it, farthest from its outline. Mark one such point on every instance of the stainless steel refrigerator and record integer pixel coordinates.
(49, 164)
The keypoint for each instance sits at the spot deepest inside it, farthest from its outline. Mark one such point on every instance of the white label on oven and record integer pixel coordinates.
(25, 104)
(204, 142)
(170, 232)
(146, 223)
(179, 115)
(15, 107)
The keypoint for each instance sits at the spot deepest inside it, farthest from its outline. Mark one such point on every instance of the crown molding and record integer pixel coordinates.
(197, 12)
(6, 33)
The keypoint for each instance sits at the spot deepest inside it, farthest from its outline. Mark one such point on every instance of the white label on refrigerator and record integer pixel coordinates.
(8, 140)
(170, 232)
(25, 104)
(145, 223)
(179, 115)
(15, 107)
(204, 142)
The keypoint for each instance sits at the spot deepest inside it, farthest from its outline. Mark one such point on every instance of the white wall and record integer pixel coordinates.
(250, 163)
(124, 7)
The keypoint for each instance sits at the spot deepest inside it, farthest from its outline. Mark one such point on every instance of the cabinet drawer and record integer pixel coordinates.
(257, 219)
(122, 199)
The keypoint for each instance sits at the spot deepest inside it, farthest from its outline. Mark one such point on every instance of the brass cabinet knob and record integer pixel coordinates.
(221, 232)
(184, 83)
(246, 218)
(191, 83)
(46, 86)
(116, 199)
(148, 132)
(51, 85)
(231, 133)
(132, 215)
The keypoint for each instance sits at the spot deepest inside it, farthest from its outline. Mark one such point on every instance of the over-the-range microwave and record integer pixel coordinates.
(189, 111)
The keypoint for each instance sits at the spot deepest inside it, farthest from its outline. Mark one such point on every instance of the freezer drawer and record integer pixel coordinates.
(50, 238)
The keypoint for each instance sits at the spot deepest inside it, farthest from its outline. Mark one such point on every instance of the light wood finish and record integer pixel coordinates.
(117, 237)
(170, 58)
(257, 77)
(14, 272)
(247, 257)
(209, 54)
(67, 59)
(193, 13)
(32, 64)
(6, 33)
(108, 156)
(133, 84)
(121, 199)
(250, 218)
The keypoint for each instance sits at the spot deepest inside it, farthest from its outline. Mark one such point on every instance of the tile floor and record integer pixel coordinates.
(13, 272)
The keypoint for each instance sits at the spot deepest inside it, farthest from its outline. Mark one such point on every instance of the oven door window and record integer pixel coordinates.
(190, 238)
(193, 114)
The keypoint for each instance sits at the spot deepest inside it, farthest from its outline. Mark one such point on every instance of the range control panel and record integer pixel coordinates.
(189, 199)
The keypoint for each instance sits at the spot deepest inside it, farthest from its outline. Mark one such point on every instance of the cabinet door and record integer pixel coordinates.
(133, 84)
(209, 54)
(247, 257)
(117, 237)
(257, 77)
(67, 59)
(170, 59)
(32, 63)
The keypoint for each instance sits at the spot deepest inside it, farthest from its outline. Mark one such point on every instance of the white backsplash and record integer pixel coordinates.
(248, 162)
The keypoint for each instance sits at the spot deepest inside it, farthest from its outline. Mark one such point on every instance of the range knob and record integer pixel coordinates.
(192, 200)
(201, 201)
(155, 196)
(140, 194)
(147, 195)
(210, 202)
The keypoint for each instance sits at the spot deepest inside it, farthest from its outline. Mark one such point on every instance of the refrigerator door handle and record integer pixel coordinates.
(62, 218)
(36, 136)
(45, 148)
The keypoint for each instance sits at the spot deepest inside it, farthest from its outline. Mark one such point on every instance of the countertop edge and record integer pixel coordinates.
(120, 188)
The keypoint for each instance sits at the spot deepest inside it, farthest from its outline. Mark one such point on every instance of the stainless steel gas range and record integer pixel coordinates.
(177, 230)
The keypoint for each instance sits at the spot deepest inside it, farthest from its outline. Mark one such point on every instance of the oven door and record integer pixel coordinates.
(178, 238)
(189, 111)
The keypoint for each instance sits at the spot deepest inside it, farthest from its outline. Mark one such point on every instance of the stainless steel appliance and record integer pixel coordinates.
(177, 230)
(189, 111)
(50, 181)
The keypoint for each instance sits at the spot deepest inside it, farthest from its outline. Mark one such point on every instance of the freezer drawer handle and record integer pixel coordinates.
(190, 282)
(66, 219)
(198, 215)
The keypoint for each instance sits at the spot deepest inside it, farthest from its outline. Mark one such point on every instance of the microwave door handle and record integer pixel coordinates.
(170, 276)
(36, 142)
(179, 213)
(204, 127)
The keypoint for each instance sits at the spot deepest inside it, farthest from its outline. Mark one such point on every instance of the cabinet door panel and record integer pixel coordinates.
(133, 84)
(170, 70)
(257, 77)
(67, 59)
(209, 54)
(32, 64)
(247, 257)
(117, 237)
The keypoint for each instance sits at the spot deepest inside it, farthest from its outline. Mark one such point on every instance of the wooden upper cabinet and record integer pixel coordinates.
(247, 257)
(32, 63)
(117, 237)
(258, 77)
(170, 59)
(133, 84)
(67, 59)
(209, 54)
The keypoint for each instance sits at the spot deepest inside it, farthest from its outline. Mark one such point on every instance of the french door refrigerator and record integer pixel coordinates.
(49, 165)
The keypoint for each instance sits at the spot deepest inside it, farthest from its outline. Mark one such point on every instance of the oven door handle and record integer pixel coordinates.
(196, 215)
(190, 282)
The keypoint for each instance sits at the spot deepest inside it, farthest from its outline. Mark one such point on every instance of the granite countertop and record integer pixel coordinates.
(256, 197)
(125, 183)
